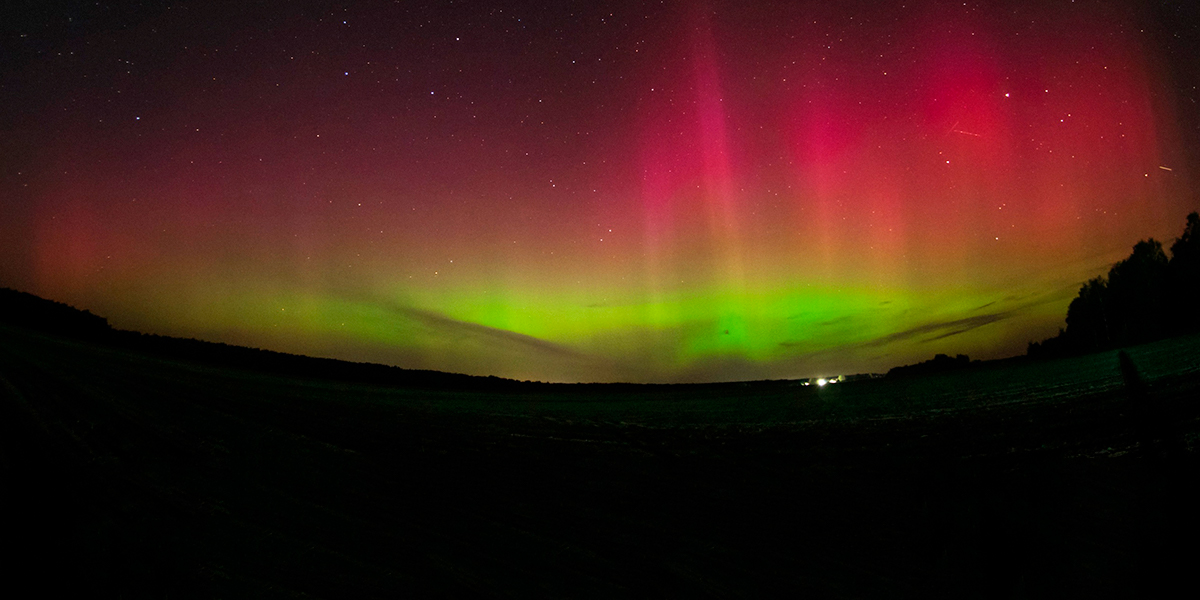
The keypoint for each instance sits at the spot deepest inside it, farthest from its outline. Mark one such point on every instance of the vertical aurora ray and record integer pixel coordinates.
(688, 177)
(687, 191)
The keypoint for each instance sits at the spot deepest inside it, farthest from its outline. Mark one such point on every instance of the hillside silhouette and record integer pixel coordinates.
(33, 312)
(1145, 297)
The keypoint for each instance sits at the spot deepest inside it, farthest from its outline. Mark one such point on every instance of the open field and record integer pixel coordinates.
(148, 476)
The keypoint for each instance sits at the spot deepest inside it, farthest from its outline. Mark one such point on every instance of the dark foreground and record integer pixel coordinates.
(127, 474)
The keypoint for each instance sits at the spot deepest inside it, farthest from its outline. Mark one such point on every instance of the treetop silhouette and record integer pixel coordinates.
(1145, 297)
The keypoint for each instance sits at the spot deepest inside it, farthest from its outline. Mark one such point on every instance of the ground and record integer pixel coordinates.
(145, 476)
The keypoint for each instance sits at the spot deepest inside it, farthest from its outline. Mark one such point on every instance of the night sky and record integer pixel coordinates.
(593, 191)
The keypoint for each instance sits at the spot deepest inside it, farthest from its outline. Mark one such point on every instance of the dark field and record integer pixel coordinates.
(129, 474)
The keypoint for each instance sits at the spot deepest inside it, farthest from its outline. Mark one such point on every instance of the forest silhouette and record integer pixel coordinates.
(1145, 297)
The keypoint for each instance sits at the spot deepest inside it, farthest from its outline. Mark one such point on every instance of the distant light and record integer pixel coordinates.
(821, 382)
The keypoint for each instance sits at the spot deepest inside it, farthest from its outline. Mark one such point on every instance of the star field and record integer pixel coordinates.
(577, 191)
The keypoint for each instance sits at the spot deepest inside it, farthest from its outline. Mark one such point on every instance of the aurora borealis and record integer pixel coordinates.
(611, 191)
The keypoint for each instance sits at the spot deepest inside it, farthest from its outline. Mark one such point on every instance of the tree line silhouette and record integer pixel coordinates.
(938, 364)
(1146, 297)
(30, 312)
(34, 313)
